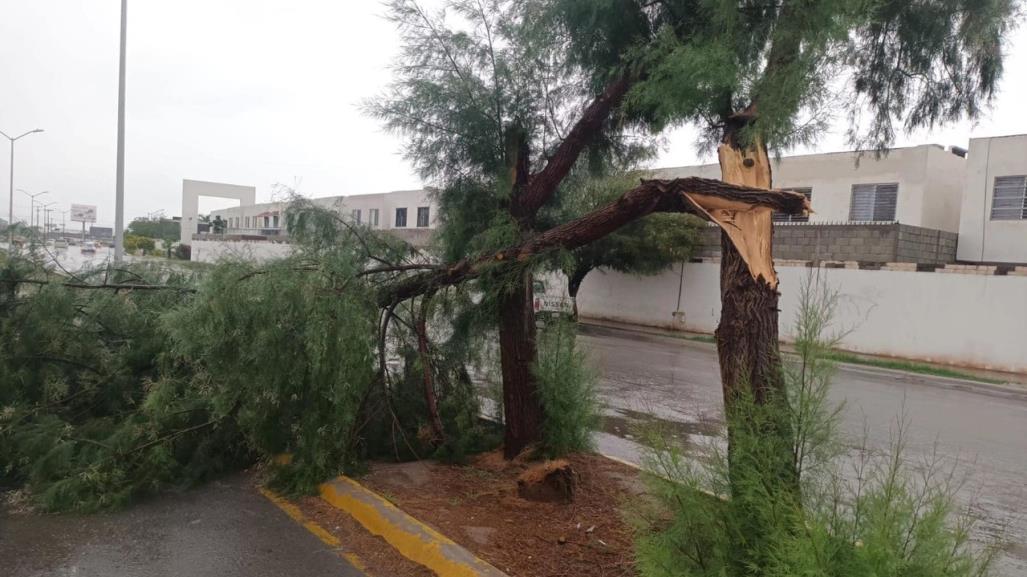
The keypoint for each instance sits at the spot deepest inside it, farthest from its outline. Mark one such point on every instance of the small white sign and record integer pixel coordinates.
(83, 213)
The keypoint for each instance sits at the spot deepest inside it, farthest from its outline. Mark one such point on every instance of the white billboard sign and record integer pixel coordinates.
(83, 213)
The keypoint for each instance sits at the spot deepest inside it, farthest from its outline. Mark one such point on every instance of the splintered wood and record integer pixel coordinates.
(747, 224)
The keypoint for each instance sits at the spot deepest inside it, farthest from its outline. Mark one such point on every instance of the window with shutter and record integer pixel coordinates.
(874, 202)
(785, 217)
(1009, 198)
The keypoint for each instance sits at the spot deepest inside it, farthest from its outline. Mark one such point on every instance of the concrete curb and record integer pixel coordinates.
(412, 538)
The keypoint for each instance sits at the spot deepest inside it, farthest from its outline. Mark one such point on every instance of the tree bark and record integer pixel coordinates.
(747, 336)
(428, 374)
(522, 406)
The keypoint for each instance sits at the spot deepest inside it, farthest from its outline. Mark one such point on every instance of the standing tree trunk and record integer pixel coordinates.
(764, 484)
(522, 406)
(428, 371)
(574, 284)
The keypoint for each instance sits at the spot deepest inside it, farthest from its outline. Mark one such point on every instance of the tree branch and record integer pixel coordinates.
(648, 197)
(543, 184)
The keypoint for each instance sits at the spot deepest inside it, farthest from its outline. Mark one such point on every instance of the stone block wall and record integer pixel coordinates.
(862, 242)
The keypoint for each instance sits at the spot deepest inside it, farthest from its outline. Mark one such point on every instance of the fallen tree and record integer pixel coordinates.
(699, 196)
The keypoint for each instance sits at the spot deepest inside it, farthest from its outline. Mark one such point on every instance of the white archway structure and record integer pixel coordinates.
(192, 190)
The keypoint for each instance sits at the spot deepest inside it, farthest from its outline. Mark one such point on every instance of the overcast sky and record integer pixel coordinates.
(252, 92)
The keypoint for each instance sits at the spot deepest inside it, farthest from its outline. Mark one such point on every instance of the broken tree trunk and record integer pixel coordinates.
(747, 336)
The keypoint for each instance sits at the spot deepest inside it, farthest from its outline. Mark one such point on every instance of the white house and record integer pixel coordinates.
(993, 220)
(401, 209)
(919, 185)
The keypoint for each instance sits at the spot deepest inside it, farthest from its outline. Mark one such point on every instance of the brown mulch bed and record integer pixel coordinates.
(478, 506)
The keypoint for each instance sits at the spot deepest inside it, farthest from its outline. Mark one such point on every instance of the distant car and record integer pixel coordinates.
(60, 243)
(88, 247)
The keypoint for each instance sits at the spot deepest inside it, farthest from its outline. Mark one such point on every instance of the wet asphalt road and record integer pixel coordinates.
(979, 431)
(224, 528)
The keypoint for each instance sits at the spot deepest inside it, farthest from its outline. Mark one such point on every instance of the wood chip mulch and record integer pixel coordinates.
(477, 506)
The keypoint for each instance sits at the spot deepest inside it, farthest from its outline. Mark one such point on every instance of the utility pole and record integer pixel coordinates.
(10, 206)
(119, 201)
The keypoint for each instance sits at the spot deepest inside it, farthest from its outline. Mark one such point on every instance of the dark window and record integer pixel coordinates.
(372, 218)
(422, 216)
(274, 221)
(873, 202)
(401, 217)
(356, 215)
(1009, 198)
(785, 217)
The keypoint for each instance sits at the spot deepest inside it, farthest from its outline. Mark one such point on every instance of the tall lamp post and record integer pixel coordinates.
(119, 198)
(32, 206)
(45, 209)
(10, 205)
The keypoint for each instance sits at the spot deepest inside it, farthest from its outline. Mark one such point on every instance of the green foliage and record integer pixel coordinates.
(567, 386)
(288, 356)
(134, 243)
(888, 65)
(856, 513)
(165, 229)
(92, 412)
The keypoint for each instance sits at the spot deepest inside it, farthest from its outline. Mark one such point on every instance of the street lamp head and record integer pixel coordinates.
(38, 130)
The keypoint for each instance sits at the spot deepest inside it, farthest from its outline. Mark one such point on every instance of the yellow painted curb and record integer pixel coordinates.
(320, 532)
(412, 538)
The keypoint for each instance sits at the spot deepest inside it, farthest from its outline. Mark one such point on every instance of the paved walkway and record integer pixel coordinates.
(223, 528)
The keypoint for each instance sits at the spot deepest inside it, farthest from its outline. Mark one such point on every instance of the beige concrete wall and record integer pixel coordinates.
(980, 238)
(943, 190)
(961, 319)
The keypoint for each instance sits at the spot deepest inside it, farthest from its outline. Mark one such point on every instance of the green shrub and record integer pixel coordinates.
(134, 243)
(567, 385)
(715, 514)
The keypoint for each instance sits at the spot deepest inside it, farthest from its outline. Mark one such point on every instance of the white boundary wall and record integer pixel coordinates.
(259, 251)
(961, 319)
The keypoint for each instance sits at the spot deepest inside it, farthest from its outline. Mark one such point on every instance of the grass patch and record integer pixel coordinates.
(908, 366)
(854, 359)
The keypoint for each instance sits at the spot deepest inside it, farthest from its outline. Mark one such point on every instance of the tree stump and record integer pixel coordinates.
(550, 482)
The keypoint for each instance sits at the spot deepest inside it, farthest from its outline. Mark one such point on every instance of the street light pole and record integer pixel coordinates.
(32, 205)
(119, 200)
(10, 206)
(45, 209)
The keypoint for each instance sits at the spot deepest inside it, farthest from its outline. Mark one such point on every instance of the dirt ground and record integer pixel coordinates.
(478, 507)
